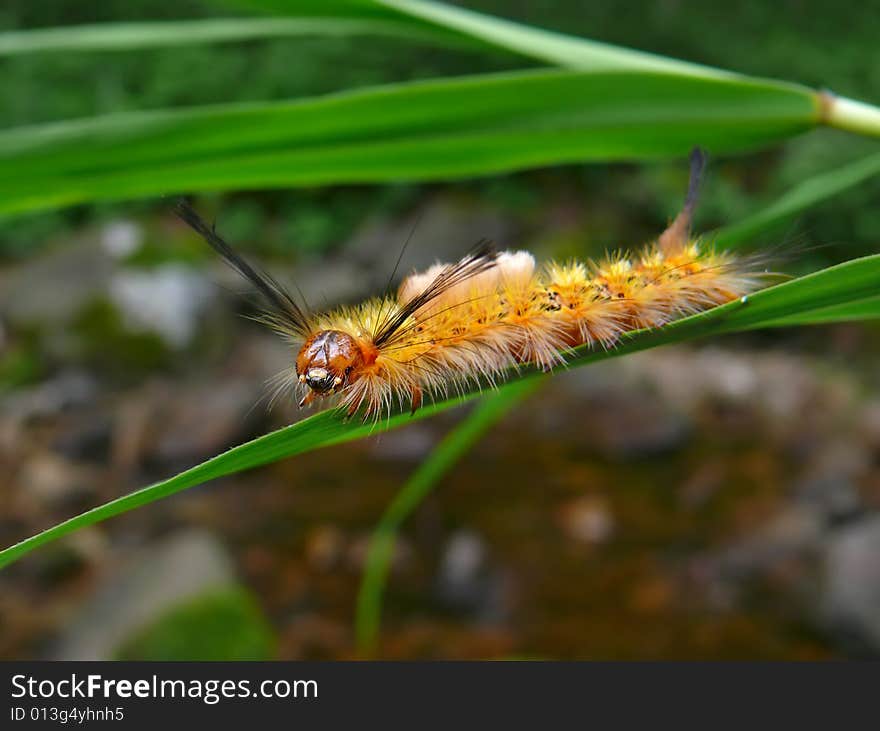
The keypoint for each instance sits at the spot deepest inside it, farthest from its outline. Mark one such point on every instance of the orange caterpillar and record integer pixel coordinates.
(475, 319)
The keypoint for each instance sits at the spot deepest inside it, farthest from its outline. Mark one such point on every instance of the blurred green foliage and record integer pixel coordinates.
(20, 365)
(224, 625)
(99, 327)
(43, 87)
(809, 41)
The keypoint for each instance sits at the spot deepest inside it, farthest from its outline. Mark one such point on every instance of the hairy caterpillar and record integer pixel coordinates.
(474, 319)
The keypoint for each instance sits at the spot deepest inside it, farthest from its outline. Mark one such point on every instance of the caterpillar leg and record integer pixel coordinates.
(415, 399)
(675, 237)
(307, 399)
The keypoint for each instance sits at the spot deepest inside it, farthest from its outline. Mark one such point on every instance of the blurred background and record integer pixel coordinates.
(712, 501)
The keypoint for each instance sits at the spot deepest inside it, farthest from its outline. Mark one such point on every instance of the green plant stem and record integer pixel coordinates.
(851, 115)
(450, 450)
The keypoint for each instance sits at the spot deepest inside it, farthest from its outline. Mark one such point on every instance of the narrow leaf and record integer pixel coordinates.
(427, 130)
(130, 36)
(556, 48)
(804, 195)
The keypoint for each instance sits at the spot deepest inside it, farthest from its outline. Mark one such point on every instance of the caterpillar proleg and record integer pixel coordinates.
(472, 320)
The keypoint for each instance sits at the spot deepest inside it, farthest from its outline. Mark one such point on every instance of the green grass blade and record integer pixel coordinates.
(427, 130)
(865, 309)
(543, 45)
(558, 48)
(130, 36)
(804, 195)
(854, 284)
(443, 458)
(573, 52)
(550, 47)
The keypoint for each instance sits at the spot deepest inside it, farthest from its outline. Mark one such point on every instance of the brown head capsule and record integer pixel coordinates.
(326, 361)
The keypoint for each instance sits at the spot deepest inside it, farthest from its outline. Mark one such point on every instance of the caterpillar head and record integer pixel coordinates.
(326, 361)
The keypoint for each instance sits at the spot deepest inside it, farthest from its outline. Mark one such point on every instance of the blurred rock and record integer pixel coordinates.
(121, 238)
(406, 445)
(52, 288)
(206, 419)
(781, 385)
(69, 389)
(837, 497)
(870, 423)
(168, 300)
(587, 520)
(47, 478)
(463, 559)
(637, 430)
(632, 425)
(314, 637)
(87, 438)
(610, 410)
(89, 544)
(786, 387)
(852, 584)
(702, 484)
(159, 577)
(324, 546)
(840, 458)
(831, 476)
(133, 429)
(466, 580)
(794, 534)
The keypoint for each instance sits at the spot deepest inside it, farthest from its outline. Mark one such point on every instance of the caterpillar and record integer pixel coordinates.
(473, 320)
